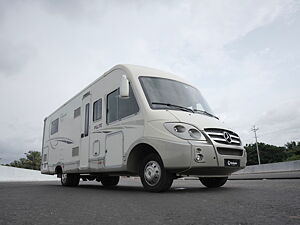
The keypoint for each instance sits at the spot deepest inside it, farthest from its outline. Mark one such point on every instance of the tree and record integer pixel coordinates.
(32, 161)
(293, 150)
(268, 153)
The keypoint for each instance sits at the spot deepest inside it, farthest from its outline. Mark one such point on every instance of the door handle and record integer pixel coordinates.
(82, 135)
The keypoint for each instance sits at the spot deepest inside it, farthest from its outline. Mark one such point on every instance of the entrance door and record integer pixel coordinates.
(85, 132)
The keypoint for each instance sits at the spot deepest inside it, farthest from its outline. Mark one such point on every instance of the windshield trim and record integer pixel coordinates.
(146, 94)
(170, 108)
(182, 108)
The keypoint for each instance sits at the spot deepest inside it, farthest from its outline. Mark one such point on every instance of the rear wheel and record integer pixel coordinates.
(153, 175)
(70, 179)
(213, 182)
(110, 181)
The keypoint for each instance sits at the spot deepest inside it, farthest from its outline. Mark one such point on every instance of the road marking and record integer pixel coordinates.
(294, 217)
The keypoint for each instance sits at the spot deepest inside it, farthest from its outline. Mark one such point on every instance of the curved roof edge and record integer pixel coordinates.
(137, 70)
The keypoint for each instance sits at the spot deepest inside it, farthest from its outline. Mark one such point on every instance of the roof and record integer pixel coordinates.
(146, 71)
(135, 70)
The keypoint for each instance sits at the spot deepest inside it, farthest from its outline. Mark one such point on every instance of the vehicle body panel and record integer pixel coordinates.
(108, 145)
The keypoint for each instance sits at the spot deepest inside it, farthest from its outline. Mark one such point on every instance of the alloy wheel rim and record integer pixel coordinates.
(152, 173)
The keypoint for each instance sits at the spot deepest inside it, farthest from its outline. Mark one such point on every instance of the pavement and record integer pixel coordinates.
(188, 202)
(266, 175)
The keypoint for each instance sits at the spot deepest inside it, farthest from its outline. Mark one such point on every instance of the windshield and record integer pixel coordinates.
(163, 93)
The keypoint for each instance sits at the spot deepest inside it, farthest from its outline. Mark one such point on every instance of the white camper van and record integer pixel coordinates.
(138, 121)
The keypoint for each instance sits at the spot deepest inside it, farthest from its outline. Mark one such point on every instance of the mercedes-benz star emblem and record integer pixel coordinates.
(227, 137)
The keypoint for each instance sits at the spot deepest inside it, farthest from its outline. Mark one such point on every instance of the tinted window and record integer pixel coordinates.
(118, 108)
(128, 106)
(97, 110)
(45, 158)
(160, 92)
(54, 126)
(86, 120)
(112, 106)
(77, 112)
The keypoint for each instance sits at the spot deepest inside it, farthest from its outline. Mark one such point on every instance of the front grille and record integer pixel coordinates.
(217, 135)
(230, 151)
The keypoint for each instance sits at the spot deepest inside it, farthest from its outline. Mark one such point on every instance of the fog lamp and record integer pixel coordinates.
(199, 157)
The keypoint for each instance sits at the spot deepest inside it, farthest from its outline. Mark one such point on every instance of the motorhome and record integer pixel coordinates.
(138, 121)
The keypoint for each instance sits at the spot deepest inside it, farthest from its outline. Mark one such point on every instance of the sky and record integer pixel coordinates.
(244, 56)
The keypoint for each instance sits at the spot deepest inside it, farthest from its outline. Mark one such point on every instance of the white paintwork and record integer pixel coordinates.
(114, 150)
(108, 145)
(200, 120)
(124, 87)
(96, 148)
(85, 140)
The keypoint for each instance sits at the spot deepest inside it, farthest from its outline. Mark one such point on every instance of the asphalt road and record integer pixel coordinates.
(266, 175)
(187, 203)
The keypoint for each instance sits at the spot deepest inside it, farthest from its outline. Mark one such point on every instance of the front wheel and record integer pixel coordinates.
(213, 182)
(70, 179)
(153, 175)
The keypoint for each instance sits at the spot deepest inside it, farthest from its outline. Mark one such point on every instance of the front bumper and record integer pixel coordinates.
(209, 171)
(180, 157)
(213, 159)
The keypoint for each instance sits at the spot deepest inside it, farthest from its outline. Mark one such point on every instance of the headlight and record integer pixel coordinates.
(184, 131)
(179, 129)
(195, 133)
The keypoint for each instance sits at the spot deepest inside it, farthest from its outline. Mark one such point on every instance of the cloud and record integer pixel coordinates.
(282, 121)
(12, 149)
(14, 57)
(52, 50)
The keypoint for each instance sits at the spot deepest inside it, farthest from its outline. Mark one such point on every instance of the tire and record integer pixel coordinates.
(110, 181)
(70, 180)
(213, 182)
(153, 174)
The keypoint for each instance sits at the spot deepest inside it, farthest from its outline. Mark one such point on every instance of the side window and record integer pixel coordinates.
(97, 110)
(76, 112)
(112, 106)
(86, 119)
(128, 106)
(118, 108)
(45, 158)
(54, 126)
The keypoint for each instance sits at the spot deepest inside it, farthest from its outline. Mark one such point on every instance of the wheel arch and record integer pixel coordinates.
(137, 153)
(58, 170)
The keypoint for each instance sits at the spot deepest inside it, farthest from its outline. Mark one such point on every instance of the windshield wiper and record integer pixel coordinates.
(172, 105)
(206, 113)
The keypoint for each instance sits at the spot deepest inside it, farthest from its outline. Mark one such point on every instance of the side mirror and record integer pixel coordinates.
(124, 87)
